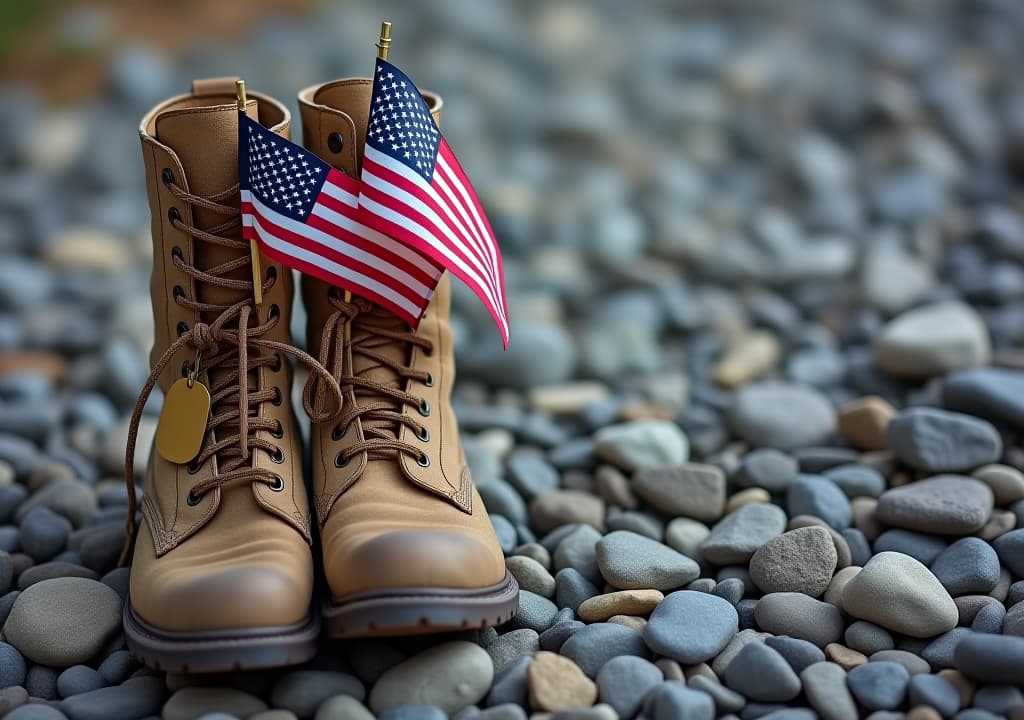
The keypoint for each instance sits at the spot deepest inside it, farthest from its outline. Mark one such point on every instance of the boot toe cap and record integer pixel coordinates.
(428, 559)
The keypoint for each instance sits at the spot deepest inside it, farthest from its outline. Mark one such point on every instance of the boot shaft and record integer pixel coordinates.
(191, 141)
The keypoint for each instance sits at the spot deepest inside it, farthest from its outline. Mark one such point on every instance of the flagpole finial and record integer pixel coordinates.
(240, 94)
(384, 43)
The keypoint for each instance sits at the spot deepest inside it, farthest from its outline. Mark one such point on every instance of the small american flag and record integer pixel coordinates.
(305, 214)
(414, 189)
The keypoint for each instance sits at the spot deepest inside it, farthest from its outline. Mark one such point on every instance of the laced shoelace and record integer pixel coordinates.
(371, 330)
(235, 347)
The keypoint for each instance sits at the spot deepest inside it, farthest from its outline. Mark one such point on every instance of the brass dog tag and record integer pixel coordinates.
(182, 424)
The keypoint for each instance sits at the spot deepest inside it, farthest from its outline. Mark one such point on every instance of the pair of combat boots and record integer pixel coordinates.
(226, 559)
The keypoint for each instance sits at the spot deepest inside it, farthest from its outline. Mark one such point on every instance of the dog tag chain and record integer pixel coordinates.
(182, 424)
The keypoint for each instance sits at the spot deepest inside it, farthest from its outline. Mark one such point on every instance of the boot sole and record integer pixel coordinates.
(220, 651)
(419, 611)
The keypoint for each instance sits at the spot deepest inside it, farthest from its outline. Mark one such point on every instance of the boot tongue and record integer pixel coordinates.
(365, 333)
(205, 139)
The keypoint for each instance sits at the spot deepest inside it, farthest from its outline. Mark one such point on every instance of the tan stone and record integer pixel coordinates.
(89, 249)
(963, 684)
(567, 398)
(1007, 483)
(746, 497)
(864, 517)
(843, 656)
(672, 670)
(751, 355)
(634, 623)
(557, 683)
(924, 712)
(623, 602)
(1001, 522)
(834, 592)
(862, 422)
(698, 669)
(52, 366)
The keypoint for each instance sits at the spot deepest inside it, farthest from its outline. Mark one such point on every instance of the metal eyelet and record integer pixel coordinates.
(340, 460)
(277, 456)
(276, 367)
(179, 292)
(192, 468)
(272, 275)
(335, 142)
(278, 484)
(192, 499)
(429, 382)
(423, 460)
(177, 254)
(174, 215)
(167, 176)
(273, 312)
(278, 432)
(337, 433)
(424, 408)
(182, 328)
(334, 294)
(423, 434)
(277, 399)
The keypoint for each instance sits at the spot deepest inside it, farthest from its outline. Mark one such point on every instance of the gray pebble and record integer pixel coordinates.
(868, 638)
(857, 480)
(691, 490)
(819, 497)
(940, 651)
(555, 636)
(630, 561)
(500, 498)
(642, 444)
(592, 646)
(736, 537)
(35, 712)
(510, 684)
(968, 566)
(671, 700)
(922, 547)
(691, 627)
(825, 686)
(137, 697)
(935, 691)
(301, 691)
(12, 666)
(118, 667)
(760, 673)
(911, 662)
(1010, 548)
(578, 550)
(511, 646)
(731, 589)
(571, 589)
(413, 712)
(536, 612)
(879, 685)
(782, 415)
(44, 533)
(801, 560)
(531, 575)
(944, 505)
(800, 654)
(531, 475)
(937, 440)
(998, 699)
(992, 393)
(860, 548)
(990, 618)
(41, 682)
(767, 468)
(726, 700)
(624, 681)
(506, 532)
(800, 616)
(79, 679)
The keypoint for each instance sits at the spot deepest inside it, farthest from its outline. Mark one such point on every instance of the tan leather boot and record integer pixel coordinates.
(222, 573)
(407, 544)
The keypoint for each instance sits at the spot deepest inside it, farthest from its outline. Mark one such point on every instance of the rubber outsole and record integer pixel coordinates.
(220, 651)
(419, 611)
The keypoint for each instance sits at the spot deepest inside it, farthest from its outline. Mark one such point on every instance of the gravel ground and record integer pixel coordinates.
(755, 450)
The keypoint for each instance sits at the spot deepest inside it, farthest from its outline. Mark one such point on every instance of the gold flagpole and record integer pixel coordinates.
(383, 43)
(254, 251)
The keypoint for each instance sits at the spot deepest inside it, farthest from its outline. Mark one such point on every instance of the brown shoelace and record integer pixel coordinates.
(228, 343)
(371, 329)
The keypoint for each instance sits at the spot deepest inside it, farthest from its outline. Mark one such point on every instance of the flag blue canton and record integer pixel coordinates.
(400, 124)
(280, 174)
